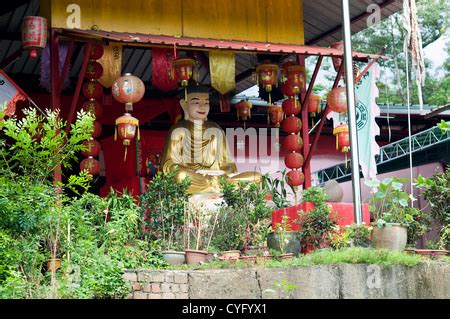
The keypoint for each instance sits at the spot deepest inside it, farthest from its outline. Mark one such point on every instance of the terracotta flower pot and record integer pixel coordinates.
(231, 254)
(194, 257)
(430, 253)
(174, 258)
(287, 256)
(248, 259)
(391, 236)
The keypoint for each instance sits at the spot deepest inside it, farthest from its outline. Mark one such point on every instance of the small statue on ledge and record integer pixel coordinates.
(199, 148)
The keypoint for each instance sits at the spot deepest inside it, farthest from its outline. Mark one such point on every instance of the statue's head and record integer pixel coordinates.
(196, 105)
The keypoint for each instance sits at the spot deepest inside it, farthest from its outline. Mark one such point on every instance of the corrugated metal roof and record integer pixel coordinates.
(320, 18)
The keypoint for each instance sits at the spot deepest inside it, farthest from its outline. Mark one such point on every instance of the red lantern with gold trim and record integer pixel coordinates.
(337, 100)
(96, 51)
(287, 89)
(97, 129)
(91, 165)
(268, 76)
(295, 178)
(294, 160)
(243, 109)
(342, 138)
(293, 143)
(291, 106)
(284, 70)
(313, 104)
(296, 77)
(93, 107)
(292, 125)
(93, 148)
(337, 60)
(183, 70)
(128, 89)
(276, 114)
(126, 126)
(92, 89)
(34, 34)
(94, 70)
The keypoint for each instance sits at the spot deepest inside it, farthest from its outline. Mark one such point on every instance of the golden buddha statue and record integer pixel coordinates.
(199, 148)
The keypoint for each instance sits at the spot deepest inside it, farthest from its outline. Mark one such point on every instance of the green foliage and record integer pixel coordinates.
(243, 218)
(282, 289)
(277, 187)
(353, 235)
(389, 201)
(418, 223)
(165, 202)
(317, 223)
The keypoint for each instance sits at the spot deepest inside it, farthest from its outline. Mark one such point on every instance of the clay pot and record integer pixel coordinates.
(53, 264)
(248, 259)
(430, 253)
(194, 257)
(391, 236)
(174, 258)
(231, 254)
(292, 246)
(287, 256)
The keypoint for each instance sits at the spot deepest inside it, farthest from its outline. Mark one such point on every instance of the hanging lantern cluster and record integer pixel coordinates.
(34, 34)
(267, 74)
(127, 89)
(275, 114)
(183, 70)
(93, 90)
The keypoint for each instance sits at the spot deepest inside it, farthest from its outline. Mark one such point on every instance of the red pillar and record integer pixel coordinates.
(55, 97)
(305, 130)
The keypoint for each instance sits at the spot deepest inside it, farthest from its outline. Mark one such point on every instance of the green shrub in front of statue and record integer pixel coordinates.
(316, 224)
(164, 203)
(244, 218)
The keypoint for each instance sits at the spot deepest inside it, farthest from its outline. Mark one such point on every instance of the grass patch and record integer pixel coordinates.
(357, 255)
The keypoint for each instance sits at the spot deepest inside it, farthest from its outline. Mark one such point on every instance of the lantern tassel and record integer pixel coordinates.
(268, 116)
(185, 94)
(270, 98)
(125, 157)
(346, 164)
(139, 134)
(115, 133)
(337, 144)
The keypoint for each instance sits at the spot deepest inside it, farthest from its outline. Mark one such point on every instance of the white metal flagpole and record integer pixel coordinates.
(350, 89)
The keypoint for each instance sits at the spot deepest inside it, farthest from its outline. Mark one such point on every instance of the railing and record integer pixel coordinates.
(390, 152)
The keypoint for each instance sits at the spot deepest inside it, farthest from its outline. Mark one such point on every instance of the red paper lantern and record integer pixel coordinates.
(126, 126)
(287, 89)
(296, 77)
(94, 70)
(294, 160)
(93, 107)
(34, 34)
(291, 106)
(97, 129)
(295, 178)
(268, 75)
(91, 165)
(128, 89)
(337, 60)
(96, 51)
(293, 143)
(337, 100)
(292, 125)
(342, 137)
(92, 89)
(243, 109)
(284, 71)
(313, 103)
(182, 70)
(276, 114)
(93, 148)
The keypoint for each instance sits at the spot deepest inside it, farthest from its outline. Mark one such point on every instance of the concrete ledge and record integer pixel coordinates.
(338, 281)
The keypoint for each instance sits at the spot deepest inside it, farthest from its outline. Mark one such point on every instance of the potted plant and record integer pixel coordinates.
(389, 206)
(283, 239)
(164, 204)
(351, 236)
(316, 224)
(244, 218)
(200, 223)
